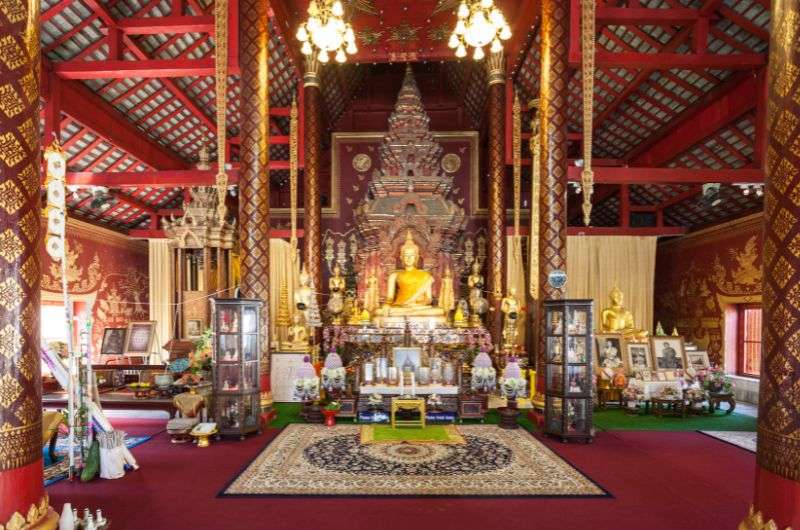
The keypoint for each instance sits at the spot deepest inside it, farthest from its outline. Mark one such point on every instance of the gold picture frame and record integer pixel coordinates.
(608, 346)
(140, 337)
(693, 356)
(635, 353)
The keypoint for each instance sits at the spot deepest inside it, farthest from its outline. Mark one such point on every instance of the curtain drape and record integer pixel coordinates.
(161, 308)
(595, 264)
(281, 272)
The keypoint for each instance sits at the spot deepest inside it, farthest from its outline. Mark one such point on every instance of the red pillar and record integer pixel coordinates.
(496, 241)
(253, 172)
(777, 495)
(23, 500)
(312, 206)
(553, 161)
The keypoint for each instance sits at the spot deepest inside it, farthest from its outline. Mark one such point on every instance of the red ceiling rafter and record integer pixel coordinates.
(702, 123)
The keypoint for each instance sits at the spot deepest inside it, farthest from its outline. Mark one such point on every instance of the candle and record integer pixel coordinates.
(368, 372)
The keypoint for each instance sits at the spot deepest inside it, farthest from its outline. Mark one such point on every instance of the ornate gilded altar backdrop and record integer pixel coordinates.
(22, 496)
(778, 473)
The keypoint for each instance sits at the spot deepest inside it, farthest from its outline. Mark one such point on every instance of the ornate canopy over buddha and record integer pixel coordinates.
(409, 197)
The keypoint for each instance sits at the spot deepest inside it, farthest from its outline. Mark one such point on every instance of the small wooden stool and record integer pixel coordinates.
(408, 404)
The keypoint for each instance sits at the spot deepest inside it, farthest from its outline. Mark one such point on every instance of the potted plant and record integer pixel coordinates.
(696, 397)
(632, 395)
(716, 382)
(330, 411)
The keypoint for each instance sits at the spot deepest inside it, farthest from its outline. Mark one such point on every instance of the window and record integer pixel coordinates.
(748, 347)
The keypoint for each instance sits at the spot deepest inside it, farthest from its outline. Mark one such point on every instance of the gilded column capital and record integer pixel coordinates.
(311, 74)
(496, 68)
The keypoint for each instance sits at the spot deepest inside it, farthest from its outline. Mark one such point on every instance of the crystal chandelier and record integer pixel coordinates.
(480, 22)
(326, 32)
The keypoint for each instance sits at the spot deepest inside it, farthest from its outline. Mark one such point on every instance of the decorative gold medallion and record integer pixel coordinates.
(10, 246)
(10, 293)
(369, 36)
(451, 162)
(10, 102)
(10, 341)
(362, 162)
(10, 390)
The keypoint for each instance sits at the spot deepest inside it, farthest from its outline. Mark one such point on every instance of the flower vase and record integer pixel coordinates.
(330, 417)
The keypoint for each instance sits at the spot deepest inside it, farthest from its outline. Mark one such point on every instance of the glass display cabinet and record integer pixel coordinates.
(568, 369)
(236, 365)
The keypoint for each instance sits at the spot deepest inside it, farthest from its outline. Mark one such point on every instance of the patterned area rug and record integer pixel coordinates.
(59, 470)
(441, 434)
(744, 439)
(311, 460)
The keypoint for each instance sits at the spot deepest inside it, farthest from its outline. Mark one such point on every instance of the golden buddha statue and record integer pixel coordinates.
(510, 307)
(298, 335)
(409, 290)
(477, 303)
(371, 294)
(336, 286)
(447, 299)
(617, 319)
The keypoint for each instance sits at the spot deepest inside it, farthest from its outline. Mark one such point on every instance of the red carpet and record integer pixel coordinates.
(659, 480)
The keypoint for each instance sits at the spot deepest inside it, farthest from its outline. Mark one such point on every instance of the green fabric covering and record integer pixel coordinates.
(92, 464)
(431, 433)
(618, 420)
(606, 420)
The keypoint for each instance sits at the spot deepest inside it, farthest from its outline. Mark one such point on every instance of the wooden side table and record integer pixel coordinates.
(668, 407)
(408, 404)
(714, 401)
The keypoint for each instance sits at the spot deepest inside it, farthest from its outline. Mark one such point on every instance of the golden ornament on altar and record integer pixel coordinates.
(617, 319)
(336, 286)
(459, 317)
(409, 291)
(354, 318)
(447, 300)
(371, 294)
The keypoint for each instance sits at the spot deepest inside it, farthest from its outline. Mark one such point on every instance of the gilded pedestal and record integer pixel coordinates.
(22, 496)
(553, 159)
(777, 494)
(254, 154)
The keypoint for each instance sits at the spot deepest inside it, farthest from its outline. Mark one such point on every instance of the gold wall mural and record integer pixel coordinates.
(699, 275)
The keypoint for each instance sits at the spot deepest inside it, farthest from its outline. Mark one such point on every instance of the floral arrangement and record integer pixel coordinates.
(633, 392)
(334, 375)
(513, 384)
(375, 400)
(669, 392)
(434, 401)
(484, 376)
(716, 381)
(333, 405)
(306, 382)
(696, 393)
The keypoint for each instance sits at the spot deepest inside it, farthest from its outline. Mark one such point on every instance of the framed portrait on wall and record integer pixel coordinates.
(608, 353)
(194, 328)
(140, 338)
(637, 355)
(113, 341)
(668, 353)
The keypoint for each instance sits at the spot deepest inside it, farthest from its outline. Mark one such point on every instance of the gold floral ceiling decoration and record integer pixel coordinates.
(365, 6)
(439, 33)
(369, 36)
(403, 33)
(444, 5)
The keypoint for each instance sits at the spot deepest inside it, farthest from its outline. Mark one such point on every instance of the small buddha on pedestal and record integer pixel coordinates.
(510, 307)
(336, 286)
(298, 340)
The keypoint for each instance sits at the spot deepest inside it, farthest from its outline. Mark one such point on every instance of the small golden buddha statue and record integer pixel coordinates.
(409, 291)
(447, 299)
(336, 286)
(617, 319)
(510, 307)
(354, 317)
(459, 318)
(298, 335)
(371, 294)
(477, 303)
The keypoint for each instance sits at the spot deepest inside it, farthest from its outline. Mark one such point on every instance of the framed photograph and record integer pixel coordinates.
(637, 355)
(194, 328)
(578, 381)
(646, 375)
(608, 352)
(668, 353)
(113, 341)
(576, 350)
(697, 360)
(403, 355)
(555, 324)
(140, 338)
(555, 350)
(577, 322)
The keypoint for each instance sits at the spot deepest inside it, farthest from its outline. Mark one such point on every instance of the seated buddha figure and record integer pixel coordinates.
(409, 290)
(617, 319)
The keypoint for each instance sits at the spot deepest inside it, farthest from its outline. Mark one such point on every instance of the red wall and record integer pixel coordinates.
(700, 275)
(107, 269)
